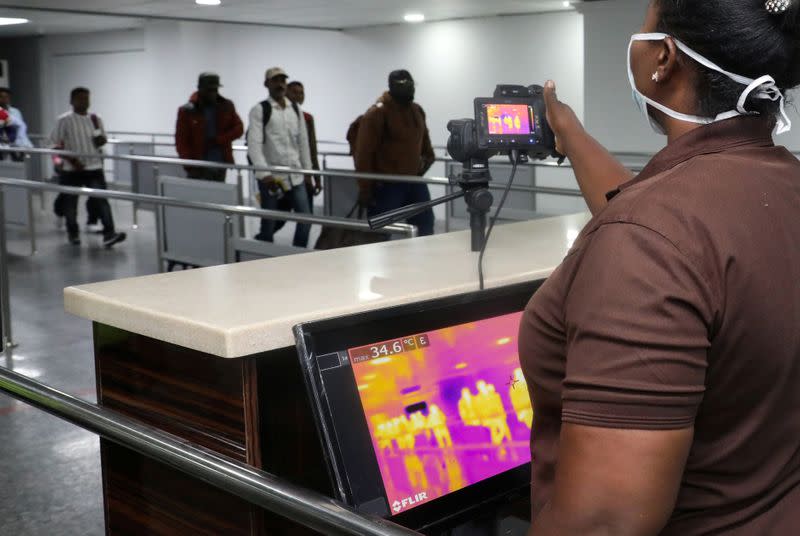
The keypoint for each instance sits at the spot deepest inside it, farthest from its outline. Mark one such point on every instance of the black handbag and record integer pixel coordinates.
(336, 237)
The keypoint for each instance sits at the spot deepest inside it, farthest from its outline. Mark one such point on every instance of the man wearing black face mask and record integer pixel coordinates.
(393, 139)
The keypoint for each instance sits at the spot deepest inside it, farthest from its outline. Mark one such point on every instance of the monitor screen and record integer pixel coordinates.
(446, 409)
(509, 119)
(423, 410)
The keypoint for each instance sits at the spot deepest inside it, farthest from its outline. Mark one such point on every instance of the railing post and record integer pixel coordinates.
(5, 298)
(240, 182)
(448, 172)
(159, 212)
(135, 189)
(155, 209)
(32, 223)
(327, 199)
(227, 233)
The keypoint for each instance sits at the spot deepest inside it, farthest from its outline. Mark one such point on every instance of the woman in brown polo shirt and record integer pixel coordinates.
(663, 355)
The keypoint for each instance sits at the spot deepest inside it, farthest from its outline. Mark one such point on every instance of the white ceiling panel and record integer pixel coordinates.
(68, 15)
(60, 23)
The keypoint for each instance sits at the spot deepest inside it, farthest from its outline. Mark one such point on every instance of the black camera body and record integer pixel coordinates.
(513, 120)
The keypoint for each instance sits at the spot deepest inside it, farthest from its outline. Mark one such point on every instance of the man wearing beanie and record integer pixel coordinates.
(393, 139)
(206, 127)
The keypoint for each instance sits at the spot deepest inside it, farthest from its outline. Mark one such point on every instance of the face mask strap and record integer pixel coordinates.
(767, 90)
(766, 86)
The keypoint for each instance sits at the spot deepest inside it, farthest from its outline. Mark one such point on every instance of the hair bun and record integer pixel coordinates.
(777, 7)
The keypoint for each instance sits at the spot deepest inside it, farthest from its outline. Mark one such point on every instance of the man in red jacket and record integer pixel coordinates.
(206, 128)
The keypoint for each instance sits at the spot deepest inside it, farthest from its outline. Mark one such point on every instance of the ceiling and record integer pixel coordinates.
(68, 16)
(58, 23)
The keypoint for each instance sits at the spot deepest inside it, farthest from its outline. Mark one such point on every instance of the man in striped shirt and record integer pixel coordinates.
(80, 132)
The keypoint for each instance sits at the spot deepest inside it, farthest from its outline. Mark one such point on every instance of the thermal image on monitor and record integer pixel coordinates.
(508, 119)
(446, 409)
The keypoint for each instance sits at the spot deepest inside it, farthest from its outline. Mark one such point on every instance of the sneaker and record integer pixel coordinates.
(94, 228)
(75, 240)
(115, 238)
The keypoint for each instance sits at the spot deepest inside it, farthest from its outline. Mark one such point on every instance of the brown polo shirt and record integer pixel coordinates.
(679, 305)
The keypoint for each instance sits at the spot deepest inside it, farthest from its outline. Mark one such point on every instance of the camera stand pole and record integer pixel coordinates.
(474, 183)
(403, 213)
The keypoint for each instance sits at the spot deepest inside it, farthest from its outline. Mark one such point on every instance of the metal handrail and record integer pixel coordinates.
(329, 172)
(330, 142)
(277, 169)
(534, 163)
(340, 154)
(635, 154)
(134, 133)
(537, 163)
(441, 181)
(218, 165)
(262, 489)
(165, 135)
(342, 223)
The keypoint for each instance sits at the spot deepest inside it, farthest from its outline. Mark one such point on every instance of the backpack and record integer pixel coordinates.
(352, 130)
(352, 134)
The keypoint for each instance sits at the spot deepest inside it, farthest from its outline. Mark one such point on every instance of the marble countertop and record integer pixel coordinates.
(236, 310)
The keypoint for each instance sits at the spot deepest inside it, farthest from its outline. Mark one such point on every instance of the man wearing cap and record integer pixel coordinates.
(393, 139)
(206, 127)
(277, 136)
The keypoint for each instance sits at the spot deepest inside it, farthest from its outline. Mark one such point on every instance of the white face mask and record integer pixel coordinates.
(761, 88)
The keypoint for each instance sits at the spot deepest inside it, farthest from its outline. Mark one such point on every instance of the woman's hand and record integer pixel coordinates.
(562, 119)
(596, 170)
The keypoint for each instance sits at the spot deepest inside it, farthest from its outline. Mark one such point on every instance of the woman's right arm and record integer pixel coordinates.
(596, 170)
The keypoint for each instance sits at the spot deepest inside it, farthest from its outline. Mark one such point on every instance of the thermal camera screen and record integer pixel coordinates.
(509, 119)
(445, 409)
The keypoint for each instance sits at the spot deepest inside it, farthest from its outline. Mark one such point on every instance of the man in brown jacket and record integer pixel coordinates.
(393, 139)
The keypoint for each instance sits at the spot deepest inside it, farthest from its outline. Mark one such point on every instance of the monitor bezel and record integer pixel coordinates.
(318, 338)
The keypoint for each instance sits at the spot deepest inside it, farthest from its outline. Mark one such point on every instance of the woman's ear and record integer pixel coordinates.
(667, 61)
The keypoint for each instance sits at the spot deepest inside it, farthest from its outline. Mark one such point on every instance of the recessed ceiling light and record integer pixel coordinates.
(414, 17)
(566, 3)
(208, 2)
(4, 21)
